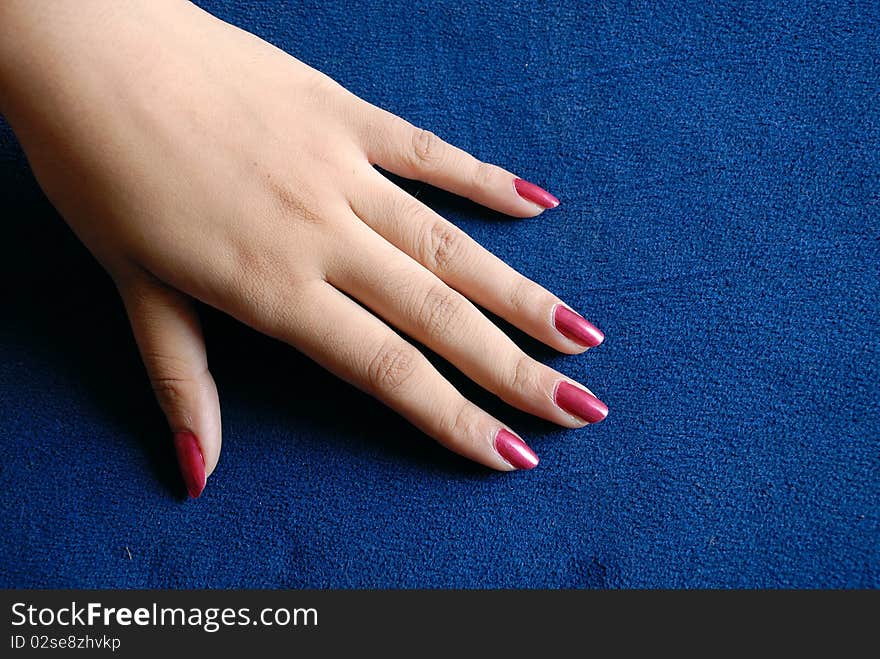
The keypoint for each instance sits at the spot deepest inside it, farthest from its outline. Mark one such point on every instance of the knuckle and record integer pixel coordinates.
(461, 420)
(391, 367)
(445, 246)
(523, 295)
(170, 393)
(426, 149)
(524, 377)
(440, 311)
(321, 92)
(162, 366)
(320, 83)
(173, 381)
(483, 176)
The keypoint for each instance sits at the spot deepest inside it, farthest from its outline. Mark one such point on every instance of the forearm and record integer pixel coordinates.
(52, 52)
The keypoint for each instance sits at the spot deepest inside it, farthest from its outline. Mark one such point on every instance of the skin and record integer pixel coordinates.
(197, 161)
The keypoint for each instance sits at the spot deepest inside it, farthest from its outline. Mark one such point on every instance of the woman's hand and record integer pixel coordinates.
(198, 161)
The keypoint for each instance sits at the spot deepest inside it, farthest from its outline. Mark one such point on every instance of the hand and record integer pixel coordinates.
(197, 161)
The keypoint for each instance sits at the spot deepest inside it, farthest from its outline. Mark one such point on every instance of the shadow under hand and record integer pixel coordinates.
(64, 327)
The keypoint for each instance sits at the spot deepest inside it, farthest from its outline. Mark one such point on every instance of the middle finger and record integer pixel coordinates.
(416, 301)
(468, 267)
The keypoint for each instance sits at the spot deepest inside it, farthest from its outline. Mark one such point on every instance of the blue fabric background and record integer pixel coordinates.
(720, 181)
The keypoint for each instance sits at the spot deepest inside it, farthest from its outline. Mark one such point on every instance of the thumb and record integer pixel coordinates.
(169, 336)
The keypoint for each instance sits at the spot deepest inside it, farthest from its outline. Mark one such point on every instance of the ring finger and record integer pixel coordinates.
(416, 301)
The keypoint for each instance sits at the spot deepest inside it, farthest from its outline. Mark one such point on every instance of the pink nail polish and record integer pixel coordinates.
(577, 328)
(536, 195)
(192, 462)
(580, 403)
(514, 450)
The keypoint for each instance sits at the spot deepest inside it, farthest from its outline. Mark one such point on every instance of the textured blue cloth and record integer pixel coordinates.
(720, 182)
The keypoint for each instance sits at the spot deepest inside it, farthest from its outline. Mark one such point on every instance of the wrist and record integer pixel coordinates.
(55, 53)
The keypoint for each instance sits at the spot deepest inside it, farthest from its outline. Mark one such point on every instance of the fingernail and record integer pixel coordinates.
(536, 195)
(514, 450)
(580, 403)
(192, 463)
(577, 328)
